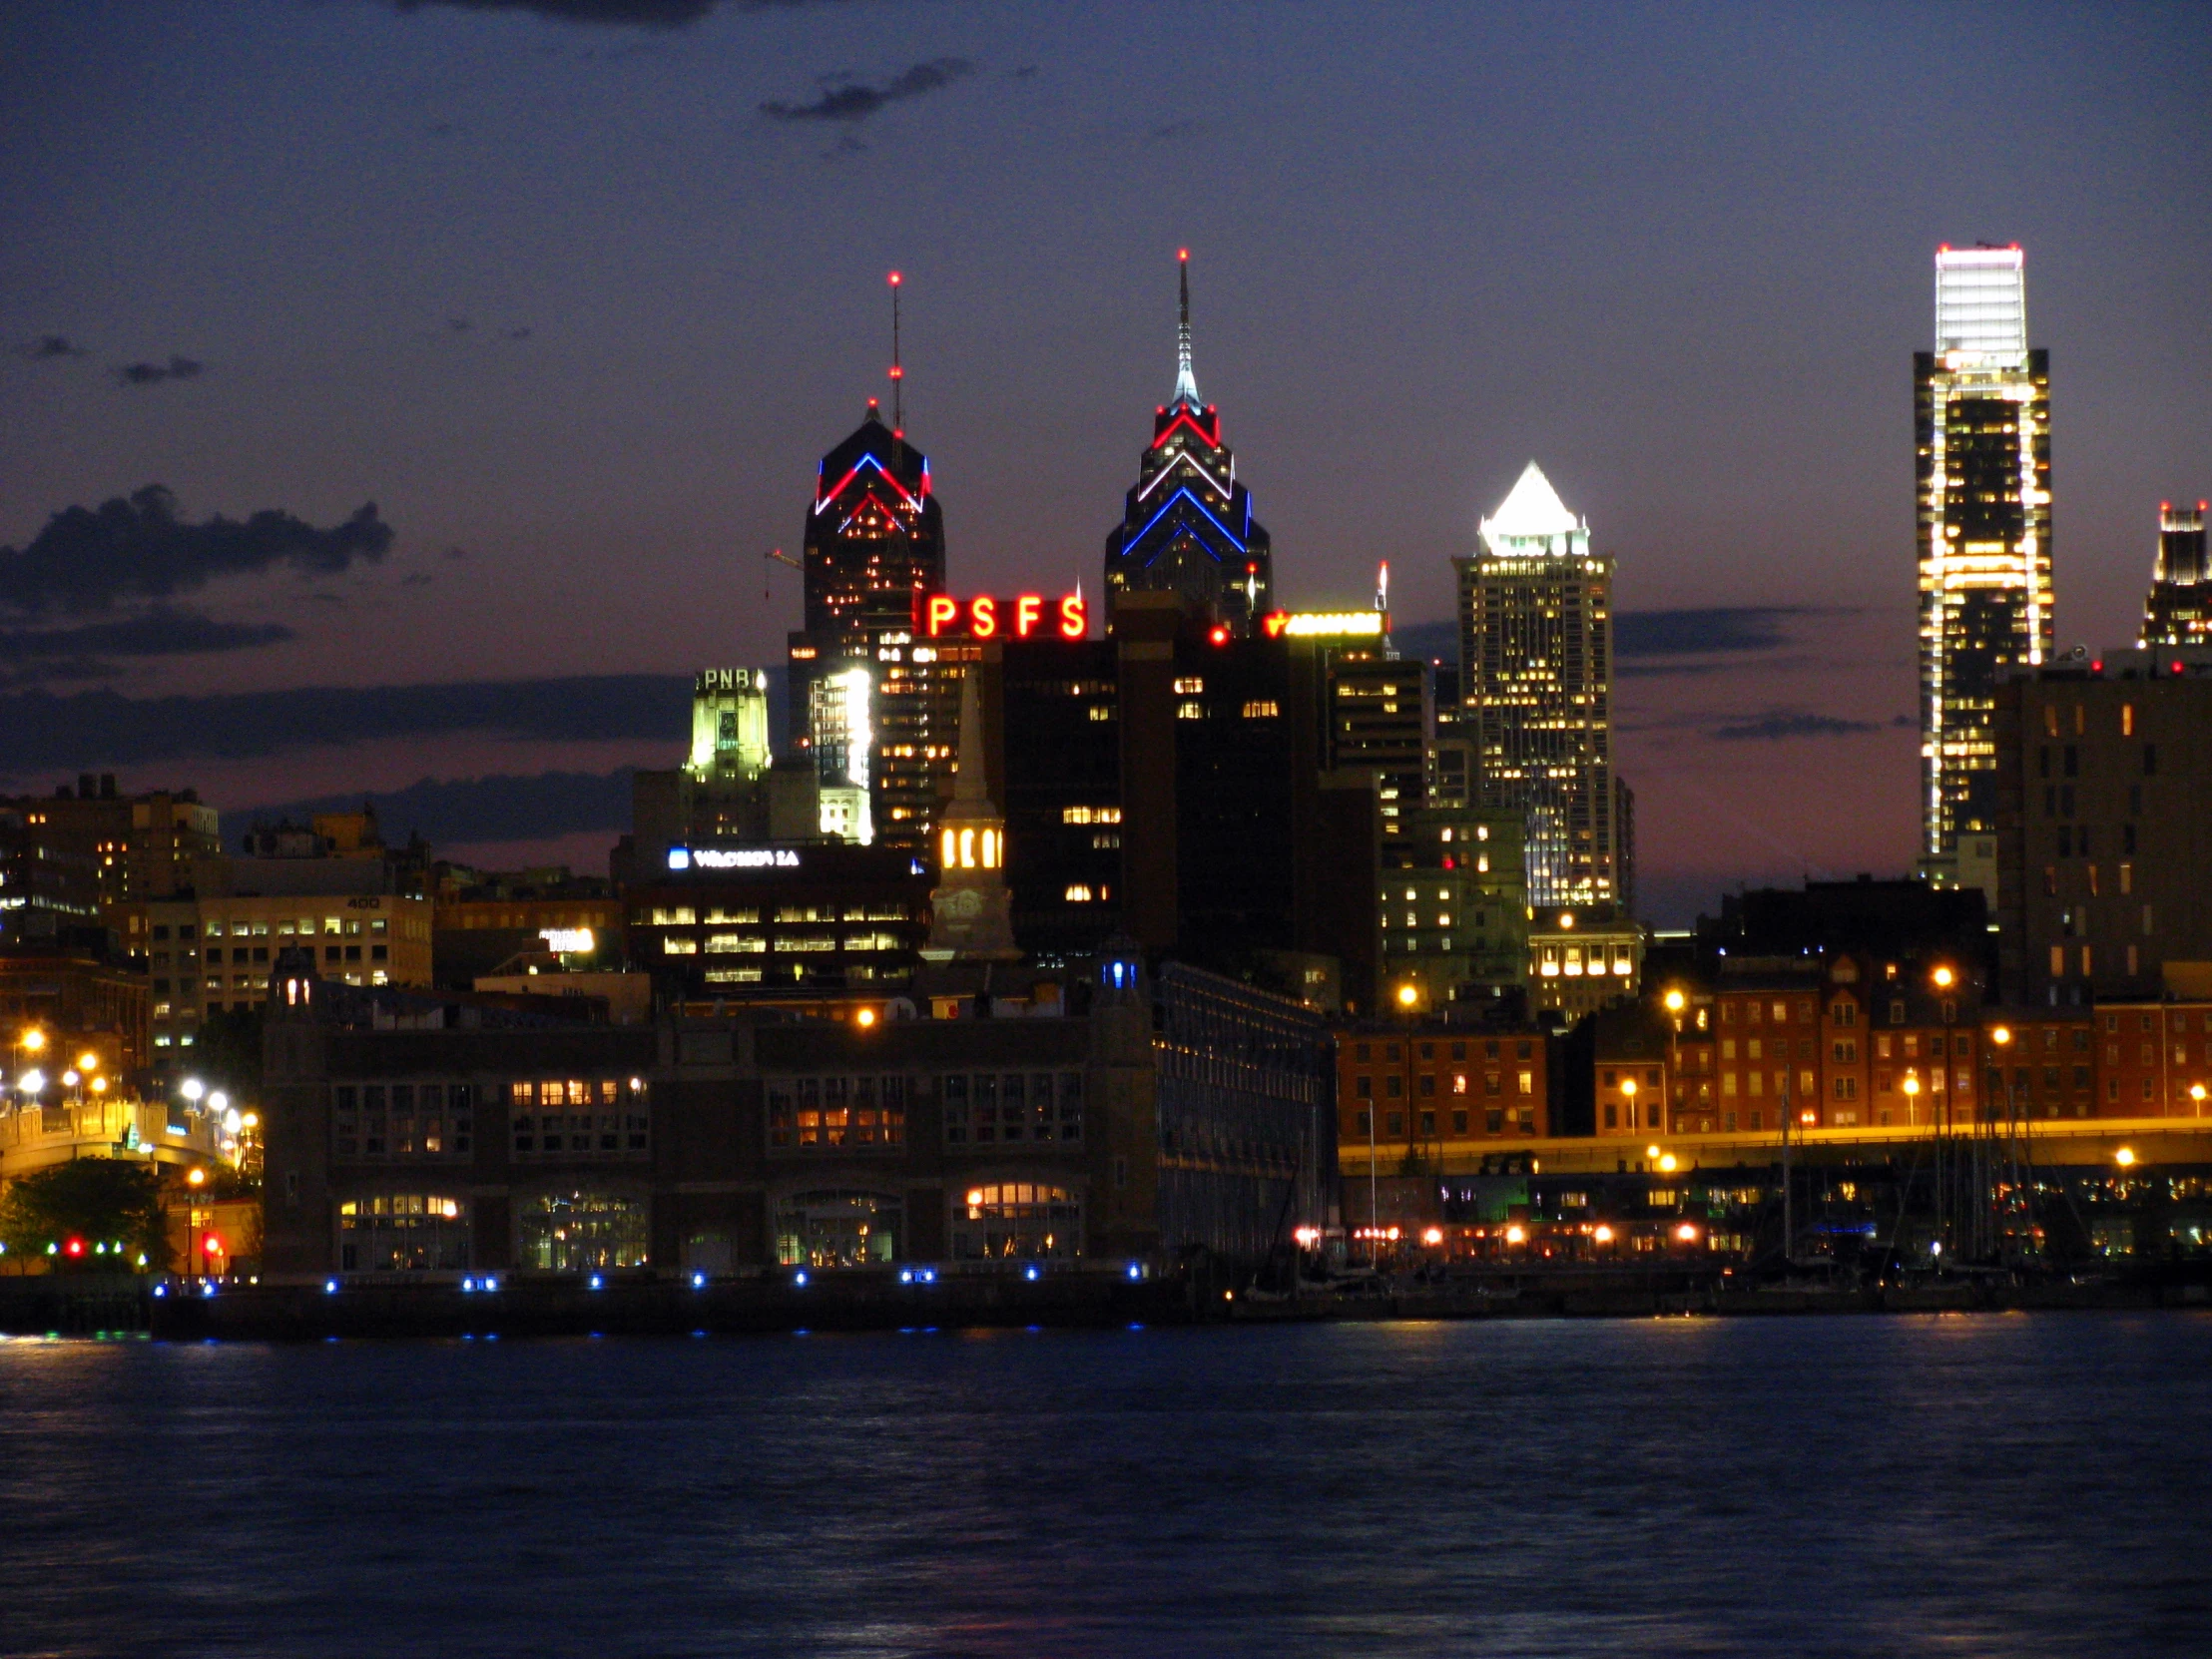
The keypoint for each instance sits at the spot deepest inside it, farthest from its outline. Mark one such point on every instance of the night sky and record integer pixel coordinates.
(576, 294)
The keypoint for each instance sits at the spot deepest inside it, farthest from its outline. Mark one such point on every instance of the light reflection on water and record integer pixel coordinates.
(1985, 1484)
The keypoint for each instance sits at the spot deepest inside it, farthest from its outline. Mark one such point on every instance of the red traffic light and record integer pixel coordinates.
(213, 1246)
(73, 1247)
(1220, 636)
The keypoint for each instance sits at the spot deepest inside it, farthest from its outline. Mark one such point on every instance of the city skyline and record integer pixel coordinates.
(1375, 412)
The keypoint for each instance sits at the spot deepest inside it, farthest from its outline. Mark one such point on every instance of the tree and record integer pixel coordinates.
(95, 1200)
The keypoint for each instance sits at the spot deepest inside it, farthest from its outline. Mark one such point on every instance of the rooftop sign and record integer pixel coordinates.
(1298, 625)
(988, 617)
(732, 858)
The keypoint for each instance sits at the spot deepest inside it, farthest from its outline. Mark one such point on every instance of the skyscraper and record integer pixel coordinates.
(1982, 414)
(2178, 610)
(1187, 525)
(879, 724)
(1535, 684)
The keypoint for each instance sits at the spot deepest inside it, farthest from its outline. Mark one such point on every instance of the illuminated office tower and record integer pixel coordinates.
(1536, 687)
(2179, 608)
(1981, 411)
(879, 724)
(1187, 525)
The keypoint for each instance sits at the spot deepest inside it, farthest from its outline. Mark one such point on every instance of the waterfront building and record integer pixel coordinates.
(2178, 610)
(2104, 825)
(1104, 1114)
(1981, 415)
(1535, 684)
(1440, 1094)
(1187, 526)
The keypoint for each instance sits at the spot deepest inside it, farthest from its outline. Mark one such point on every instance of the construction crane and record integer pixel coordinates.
(774, 555)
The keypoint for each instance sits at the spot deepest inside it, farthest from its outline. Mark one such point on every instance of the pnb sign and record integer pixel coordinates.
(729, 680)
(1020, 616)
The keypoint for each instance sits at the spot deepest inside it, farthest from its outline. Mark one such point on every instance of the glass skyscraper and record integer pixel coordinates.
(1186, 524)
(1981, 415)
(1536, 690)
(2178, 610)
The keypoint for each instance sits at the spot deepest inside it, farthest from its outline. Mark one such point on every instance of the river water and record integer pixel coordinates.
(2001, 1484)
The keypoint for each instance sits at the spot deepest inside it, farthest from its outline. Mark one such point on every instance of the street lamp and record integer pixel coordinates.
(1676, 1001)
(1629, 1093)
(1912, 1097)
(2125, 1157)
(193, 1089)
(1945, 978)
(2196, 1093)
(193, 1178)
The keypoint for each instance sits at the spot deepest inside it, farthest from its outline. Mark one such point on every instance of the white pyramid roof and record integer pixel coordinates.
(1532, 509)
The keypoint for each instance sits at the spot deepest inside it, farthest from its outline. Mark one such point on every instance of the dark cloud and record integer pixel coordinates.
(499, 808)
(1734, 628)
(153, 375)
(854, 101)
(158, 632)
(49, 347)
(638, 14)
(41, 731)
(1781, 724)
(87, 559)
(633, 14)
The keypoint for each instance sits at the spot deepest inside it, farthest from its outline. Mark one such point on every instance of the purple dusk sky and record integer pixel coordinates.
(576, 294)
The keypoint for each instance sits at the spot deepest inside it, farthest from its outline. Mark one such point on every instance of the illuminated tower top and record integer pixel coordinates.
(1982, 306)
(1186, 524)
(1533, 522)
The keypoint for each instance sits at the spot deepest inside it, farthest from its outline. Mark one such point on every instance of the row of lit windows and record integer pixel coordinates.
(686, 916)
(1394, 1085)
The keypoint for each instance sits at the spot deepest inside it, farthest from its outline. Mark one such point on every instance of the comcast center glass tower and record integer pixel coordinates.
(1982, 408)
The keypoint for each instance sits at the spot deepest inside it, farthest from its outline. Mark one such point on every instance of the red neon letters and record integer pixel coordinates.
(986, 617)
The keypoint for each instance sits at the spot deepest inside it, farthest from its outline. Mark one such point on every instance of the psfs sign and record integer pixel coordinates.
(1019, 616)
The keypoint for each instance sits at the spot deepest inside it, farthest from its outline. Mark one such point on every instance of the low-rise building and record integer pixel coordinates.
(1125, 1116)
(1440, 1095)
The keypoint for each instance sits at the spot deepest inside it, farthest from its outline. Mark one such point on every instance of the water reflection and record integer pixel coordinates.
(1803, 1486)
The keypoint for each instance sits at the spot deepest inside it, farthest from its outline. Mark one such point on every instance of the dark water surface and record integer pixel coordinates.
(1877, 1485)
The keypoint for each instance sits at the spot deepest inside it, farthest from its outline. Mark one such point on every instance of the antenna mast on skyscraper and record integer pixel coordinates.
(899, 374)
(1186, 379)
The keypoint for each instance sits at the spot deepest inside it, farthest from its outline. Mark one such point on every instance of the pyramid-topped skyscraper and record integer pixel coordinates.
(1186, 524)
(1536, 687)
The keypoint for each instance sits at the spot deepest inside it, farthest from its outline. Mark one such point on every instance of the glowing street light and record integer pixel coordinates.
(193, 1089)
(33, 1041)
(2002, 1035)
(1676, 1001)
(31, 1081)
(195, 1176)
(2125, 1157)
(1945, 978)
(88, 1061)
(1433, 1236)
(1408, 997)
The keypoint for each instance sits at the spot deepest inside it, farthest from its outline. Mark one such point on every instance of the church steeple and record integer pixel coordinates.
(970, 916)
